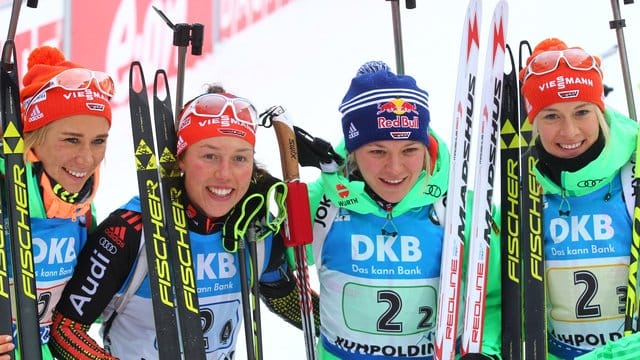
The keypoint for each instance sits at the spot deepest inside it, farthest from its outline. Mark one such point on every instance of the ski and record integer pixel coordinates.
(618, 24)
(297, 226)
(482, 224)
(511, 216)
(157, 247)
(17, 199)
(454, 222)
(179, 246)
(533, 291)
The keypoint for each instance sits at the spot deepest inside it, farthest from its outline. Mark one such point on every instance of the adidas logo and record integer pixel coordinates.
(36, 114)
(116, 234)
(353, 132)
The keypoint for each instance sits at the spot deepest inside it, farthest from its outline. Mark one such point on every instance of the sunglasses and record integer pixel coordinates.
(548, 61)
(213, 105)
(77, 79)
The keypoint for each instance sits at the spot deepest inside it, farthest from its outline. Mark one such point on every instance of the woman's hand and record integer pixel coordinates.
(6, 345)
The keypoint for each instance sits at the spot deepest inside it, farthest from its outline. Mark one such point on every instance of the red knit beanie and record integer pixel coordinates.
(564, 84)
(43, 107)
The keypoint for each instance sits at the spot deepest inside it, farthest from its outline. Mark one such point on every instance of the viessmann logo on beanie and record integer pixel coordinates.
(44, 102)
(381, 105)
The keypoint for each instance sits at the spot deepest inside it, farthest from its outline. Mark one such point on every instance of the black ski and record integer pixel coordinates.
(511, 215)
(17, 204)
(533, 287)
(159, 267)
(176, 224)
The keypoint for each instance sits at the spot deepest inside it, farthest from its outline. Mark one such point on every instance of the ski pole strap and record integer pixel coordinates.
(277, 193)
(298, 216)
(239, 220)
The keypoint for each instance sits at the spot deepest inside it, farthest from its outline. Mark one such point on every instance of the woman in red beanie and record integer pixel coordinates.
(66, 119)
(584, 152)
(215, 150)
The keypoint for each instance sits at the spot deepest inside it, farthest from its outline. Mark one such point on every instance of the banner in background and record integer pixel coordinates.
(109, 35)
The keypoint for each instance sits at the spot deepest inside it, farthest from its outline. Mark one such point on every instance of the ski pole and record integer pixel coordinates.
(297, 226)
(255, 292)
(242, 221)
(618, 24)
(183, 34)
(397, 31)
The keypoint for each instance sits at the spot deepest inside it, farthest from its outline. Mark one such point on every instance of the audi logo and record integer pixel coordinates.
(433, 190)
(108, 245)
(589, 183)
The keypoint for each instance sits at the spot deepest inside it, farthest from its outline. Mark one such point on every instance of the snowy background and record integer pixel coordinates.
(304, 56)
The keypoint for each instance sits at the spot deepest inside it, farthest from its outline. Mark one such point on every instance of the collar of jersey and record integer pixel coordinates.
(357, 200)
(616, 153)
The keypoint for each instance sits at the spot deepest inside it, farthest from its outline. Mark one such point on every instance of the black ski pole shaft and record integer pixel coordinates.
(618, 24)
(180, 35)
(246, 311)
(183, 35)
(255, 291)
(15, 14)
(249, 209)
(397, 35)
(17, 198)
(397, 31)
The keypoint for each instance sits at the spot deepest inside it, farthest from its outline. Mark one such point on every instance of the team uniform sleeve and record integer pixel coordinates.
(103, 266)
(279, 291)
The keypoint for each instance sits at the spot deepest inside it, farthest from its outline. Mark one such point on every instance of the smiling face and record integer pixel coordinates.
(391, 167)
(217, 173)
(72, 149)
(568, 129)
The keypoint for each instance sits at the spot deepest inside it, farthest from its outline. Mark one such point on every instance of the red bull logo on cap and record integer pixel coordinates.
(401, 109)
(397, 106)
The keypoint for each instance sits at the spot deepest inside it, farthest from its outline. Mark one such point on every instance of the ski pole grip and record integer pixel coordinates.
(288, 147)
(298, 216)
(197, 35)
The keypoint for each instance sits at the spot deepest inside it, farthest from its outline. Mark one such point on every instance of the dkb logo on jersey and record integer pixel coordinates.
(383, 248)
(55, 251)
(215, 266)
(585, 227)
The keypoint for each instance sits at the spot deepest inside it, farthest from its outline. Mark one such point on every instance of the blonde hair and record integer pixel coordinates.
(602, 121)
(33, 138)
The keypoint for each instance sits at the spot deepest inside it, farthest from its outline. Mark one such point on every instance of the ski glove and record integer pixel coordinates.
(316, 152)
(312, 151)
